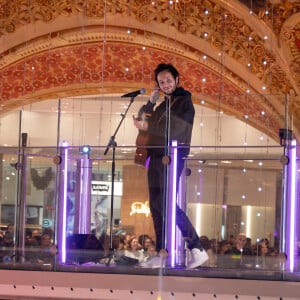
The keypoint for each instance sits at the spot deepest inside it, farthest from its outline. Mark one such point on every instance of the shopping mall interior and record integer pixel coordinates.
(73, 197)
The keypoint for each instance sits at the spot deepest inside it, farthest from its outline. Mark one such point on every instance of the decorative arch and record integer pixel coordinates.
(75, 48)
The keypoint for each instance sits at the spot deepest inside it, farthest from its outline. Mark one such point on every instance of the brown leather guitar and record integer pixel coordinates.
(142, 141)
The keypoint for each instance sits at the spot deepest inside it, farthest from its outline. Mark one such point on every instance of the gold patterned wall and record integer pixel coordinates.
(240, 60)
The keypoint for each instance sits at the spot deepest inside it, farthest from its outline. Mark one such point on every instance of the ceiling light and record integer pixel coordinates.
(226, 162)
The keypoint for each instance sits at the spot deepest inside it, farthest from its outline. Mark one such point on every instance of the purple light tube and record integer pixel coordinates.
(171, 205)
(62, 206)
(291, 207)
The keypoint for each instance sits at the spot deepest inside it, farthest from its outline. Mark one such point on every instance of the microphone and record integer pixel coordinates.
(134, 94)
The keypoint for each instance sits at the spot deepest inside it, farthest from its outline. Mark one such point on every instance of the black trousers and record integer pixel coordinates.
(156, 182)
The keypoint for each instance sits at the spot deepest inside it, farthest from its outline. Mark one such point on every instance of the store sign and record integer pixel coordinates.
(140, 208)
(104, 188)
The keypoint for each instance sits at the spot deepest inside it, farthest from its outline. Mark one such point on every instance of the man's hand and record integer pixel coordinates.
(154, 95)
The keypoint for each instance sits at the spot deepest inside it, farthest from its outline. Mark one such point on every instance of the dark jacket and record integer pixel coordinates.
(181, 122)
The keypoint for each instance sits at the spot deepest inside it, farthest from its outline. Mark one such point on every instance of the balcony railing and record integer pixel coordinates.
(61, 211)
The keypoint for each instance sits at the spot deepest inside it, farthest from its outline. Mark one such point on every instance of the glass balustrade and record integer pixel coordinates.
(71, 200)
(58, 211)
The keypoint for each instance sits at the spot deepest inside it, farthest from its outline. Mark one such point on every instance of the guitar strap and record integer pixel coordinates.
(173, 100)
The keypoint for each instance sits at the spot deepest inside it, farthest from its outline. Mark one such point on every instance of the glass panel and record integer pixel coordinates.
(236, 199)
(232, 184)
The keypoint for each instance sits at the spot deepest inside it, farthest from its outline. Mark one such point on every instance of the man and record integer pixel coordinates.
(179, 106)
(240, 255)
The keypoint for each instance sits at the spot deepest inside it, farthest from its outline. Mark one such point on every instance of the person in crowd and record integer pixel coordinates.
(33, 238)
(32, 241)
(241, 246)
(224, 246)
(151, 251)
(7, 247)
(46, 252)
(240, 254)
(134, 250)
(262, 253)
(267, 257)
(145, 241)
(232, 239)
(118, 242)
(172, 119)
(210, 250)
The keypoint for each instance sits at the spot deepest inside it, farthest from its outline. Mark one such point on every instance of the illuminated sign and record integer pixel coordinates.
(140, 208)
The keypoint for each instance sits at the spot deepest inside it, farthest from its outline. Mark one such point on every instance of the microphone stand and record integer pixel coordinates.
(112, 144)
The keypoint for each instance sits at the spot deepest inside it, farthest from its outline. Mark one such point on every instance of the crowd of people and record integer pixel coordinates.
(39, 247)
(235, 252)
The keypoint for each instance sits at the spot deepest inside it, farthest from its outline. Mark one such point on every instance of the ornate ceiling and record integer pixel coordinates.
(241, 59)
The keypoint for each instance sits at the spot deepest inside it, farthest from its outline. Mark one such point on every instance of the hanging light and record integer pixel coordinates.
(85, 149)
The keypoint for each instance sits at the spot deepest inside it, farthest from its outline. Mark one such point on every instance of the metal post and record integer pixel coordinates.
(170, 235)
(82, 222)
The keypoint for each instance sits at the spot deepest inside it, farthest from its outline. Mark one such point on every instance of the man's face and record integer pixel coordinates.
(167, 83)
(241, 241)
(147, 243)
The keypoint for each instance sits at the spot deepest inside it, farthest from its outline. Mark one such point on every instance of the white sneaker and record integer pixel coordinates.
(154, 262)
(197, 258)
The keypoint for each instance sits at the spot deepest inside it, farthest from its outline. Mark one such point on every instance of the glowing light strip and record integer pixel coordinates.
(292, 199)
(64, 213)
(173, 198)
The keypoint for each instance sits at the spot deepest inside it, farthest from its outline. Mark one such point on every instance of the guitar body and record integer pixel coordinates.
(141, 153)
(142, 141)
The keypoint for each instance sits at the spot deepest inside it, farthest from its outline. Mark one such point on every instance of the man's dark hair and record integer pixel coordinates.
(166, 67)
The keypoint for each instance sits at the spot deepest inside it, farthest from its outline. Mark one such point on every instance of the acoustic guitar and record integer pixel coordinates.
(142, 141)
